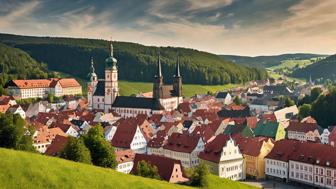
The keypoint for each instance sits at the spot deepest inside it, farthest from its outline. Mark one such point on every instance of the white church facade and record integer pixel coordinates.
(103, 94)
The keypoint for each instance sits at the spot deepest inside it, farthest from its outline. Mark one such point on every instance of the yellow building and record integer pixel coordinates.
(254, 151)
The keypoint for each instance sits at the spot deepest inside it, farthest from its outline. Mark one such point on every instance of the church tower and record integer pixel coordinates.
(92, 84)
(158, 81)
(111, 80)
(177, 85)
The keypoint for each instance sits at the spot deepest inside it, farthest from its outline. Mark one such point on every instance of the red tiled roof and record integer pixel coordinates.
(269, 117)
(165, 165)
(204, 131)
(124, 134)
(316, 154)
(182, 142)
(249, 146)
(57, 145)
(283, 149)
(213, 150)
(301, 127)
(251, 122)
(123, 156)
(158, 141)
(45, 83)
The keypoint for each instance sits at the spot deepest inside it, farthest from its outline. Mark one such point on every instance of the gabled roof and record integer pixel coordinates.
(182, 142)
(57, 145)
(124, 134)
(43, 83)
(164, 165)
(250, 146)
(301, 127)
(213, 150)
(222, 94)
(283, 149)
(137, 102)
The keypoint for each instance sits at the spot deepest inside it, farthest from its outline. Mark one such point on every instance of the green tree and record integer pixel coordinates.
(237, 100)
(145, 169)
(51, 98)
(304, 111)
(287, 101)
(13, 133)
(324, 109)
(199, 175)
(76, 150)
(102, 152)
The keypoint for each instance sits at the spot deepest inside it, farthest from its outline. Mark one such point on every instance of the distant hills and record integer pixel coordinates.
(17, 64)
(323, 69)
(268, 61)
(136, 62)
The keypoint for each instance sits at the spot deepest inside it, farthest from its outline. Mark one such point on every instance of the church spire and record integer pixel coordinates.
(159, 72)
(92, 66)
(177, 72)
(111, 48)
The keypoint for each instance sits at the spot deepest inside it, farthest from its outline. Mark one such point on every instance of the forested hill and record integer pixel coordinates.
(136, 62)
(16, 64)
(323, 69)
(268, 61)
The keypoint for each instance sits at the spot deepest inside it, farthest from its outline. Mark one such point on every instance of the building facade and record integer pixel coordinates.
(40, 88)
(103, 94)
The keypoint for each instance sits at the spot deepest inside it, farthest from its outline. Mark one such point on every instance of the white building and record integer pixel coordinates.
(40, 88)
(276, 162)
(314, 164)
(303, 131)
(224, 158)
(129, 136)
(185, 148)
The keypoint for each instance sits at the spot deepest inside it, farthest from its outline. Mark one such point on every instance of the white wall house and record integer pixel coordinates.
(224, 158)
(185, 148)
(129, 136)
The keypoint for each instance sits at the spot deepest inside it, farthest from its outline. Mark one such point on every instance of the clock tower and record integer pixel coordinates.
(111, 80)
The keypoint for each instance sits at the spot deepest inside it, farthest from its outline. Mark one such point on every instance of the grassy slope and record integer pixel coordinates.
(26, 170)
(128, 88)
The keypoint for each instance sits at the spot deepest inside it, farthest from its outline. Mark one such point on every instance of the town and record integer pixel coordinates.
(253, 132)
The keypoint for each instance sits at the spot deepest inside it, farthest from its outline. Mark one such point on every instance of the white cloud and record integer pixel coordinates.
(207, 4)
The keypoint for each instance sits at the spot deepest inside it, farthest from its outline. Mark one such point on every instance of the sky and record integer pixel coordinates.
(239, 27)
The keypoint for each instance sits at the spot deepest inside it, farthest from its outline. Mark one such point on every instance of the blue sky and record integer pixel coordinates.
(242, 27)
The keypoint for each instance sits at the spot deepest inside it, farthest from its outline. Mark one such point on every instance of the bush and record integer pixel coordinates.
(145, 169)
(198, 175)
(75, 150)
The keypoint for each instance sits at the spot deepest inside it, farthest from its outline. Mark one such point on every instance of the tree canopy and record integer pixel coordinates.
(76, 150)
(102, 153)
(145, 169)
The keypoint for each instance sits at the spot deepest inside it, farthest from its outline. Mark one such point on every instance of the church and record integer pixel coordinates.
(103, 94)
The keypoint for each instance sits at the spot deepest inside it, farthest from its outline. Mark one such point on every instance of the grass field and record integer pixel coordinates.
(128, 88)
(33, 171)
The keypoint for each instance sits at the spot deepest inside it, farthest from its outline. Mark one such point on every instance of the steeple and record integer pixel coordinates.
(92, 75)
(110, 61)
(159, 72)
(177, 84)
(177, 71)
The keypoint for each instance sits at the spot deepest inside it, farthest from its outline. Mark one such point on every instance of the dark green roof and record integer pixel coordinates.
(266, 128)
(137, 102)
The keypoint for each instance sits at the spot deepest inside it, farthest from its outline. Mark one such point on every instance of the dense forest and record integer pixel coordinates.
(268, 61)
(323, 69)
(16, 64)
(136, 62)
